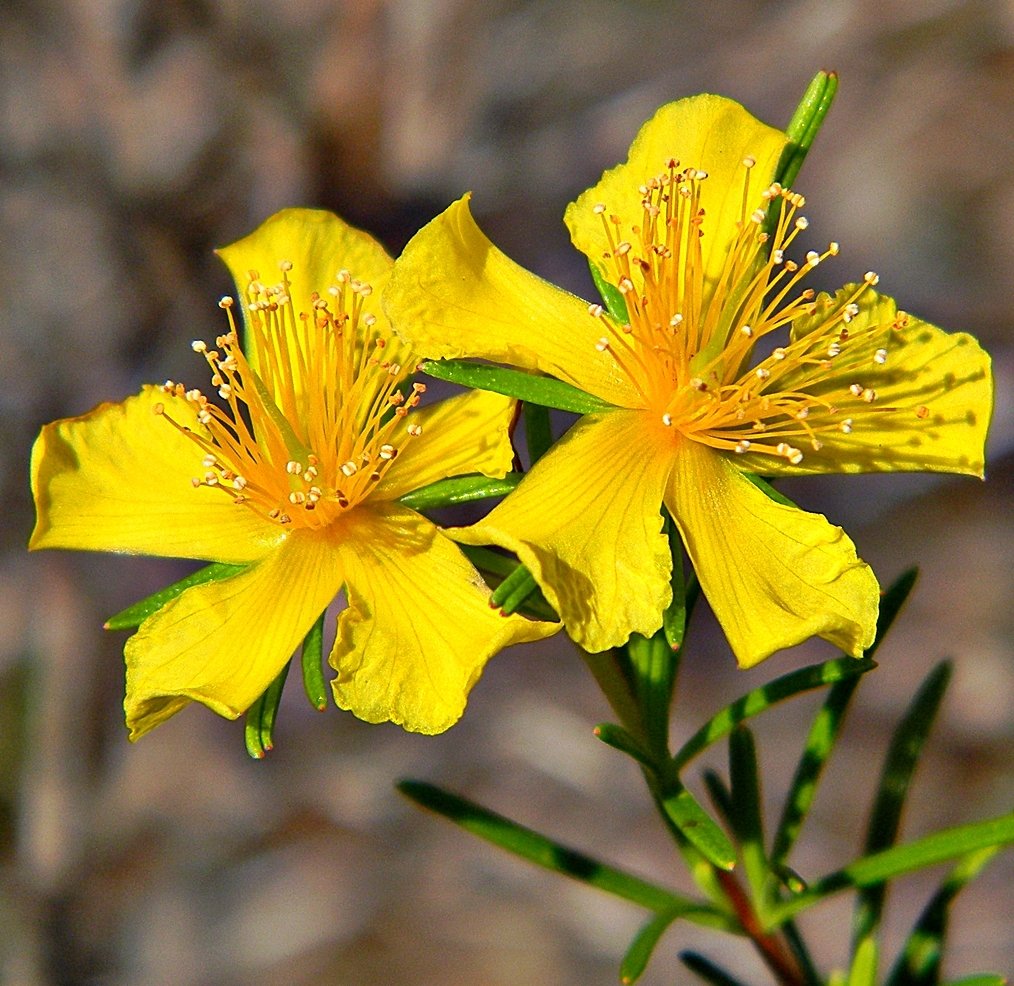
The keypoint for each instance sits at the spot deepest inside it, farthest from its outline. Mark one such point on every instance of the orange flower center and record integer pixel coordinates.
(307, 433)
(690, 335)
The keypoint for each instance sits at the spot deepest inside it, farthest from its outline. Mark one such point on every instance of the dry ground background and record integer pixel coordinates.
(134, 137)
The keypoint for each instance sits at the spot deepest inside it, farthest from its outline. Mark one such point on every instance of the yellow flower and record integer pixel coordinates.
(295, 473)
(679, 232)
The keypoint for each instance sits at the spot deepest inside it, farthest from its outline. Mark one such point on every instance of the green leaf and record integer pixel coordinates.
(611, 296)
(260, 718)
(762, 698)
(700, 829)
(721, 796)
(636, 959)
(825, 730)
(707, 970)
(674, 619)
(747, 820)
(311, 662)
(919, 961)
(135, 615)
(502, 567)
(939, 847)
(899, 766)
(805, 125)
(619, 739)
(459, 489)
(539, 849)
(516, 383)
(863, 971)
(538, 431)
(653, 666)
(514, 590)
(980, 979)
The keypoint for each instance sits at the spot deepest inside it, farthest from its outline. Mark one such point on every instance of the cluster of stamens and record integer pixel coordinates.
(310, 428)
(688, 344)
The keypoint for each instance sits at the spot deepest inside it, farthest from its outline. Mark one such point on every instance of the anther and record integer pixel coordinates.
(869, 395)
(743, 445)
(871, 277)
(880, 356)
(349, 468)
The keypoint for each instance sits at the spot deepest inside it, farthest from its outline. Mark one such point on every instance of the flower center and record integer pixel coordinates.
(692, 325)
(307, 434)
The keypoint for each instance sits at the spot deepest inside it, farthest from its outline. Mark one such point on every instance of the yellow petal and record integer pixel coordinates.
(587, 522)
(774, 575)
(419, 628)
(318, 244)
(916, 398)
(464, 434)
(223, 643)
(454, 294)
(709, 133)
(119, 479)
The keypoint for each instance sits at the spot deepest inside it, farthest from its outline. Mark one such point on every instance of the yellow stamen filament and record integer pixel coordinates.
(688, 347)
(307, 433)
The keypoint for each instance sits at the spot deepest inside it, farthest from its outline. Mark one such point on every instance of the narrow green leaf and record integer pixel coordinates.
(653, 665)
(863, 971)
(459, 489)
(805, 125)
(708, 971)
(538, 431)
(700, 829)
(980, 979)
(514, 590)
(721, 796)
(899, 766)
(920, 958)
(826, 728)
(516, 383)
(636, 959)
(259, 728)
(619, 739)
(539, 849)
(135, 615)
(938, 847)
(674, 619)
(811, 977)
(611, 296)
(312, 659)
(747, 820)
(762, 698)
(502, 567)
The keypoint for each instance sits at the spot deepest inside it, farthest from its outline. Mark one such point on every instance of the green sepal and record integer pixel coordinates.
(768, 490)
(899, 765)
(538, 431)
(805, 125)
(707, 970)
(699, 828)
(502, 567)
(311, 662)
(259, 728)
(863, 971)
(135, 615)
(545, 852)
(653, 665)
(920, 958)
(509, 595)
(459, 489)
(938, 847)
(546, 391)
(611, 296)
(684, 592)
(980, 979)
(636, 959)
(762, 698)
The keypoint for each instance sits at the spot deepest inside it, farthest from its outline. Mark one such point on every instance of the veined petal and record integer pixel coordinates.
(709, 133)
(120, 479)
(223, 643)
(464, 434)
(419, 629)
(901, 395)
(774, 575)
(454, 294)
(587, 522)
(318, 244)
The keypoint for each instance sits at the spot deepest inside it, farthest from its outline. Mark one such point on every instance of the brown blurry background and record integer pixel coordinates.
(136, 135)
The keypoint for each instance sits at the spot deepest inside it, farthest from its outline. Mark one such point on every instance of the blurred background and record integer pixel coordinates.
(135, 136)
